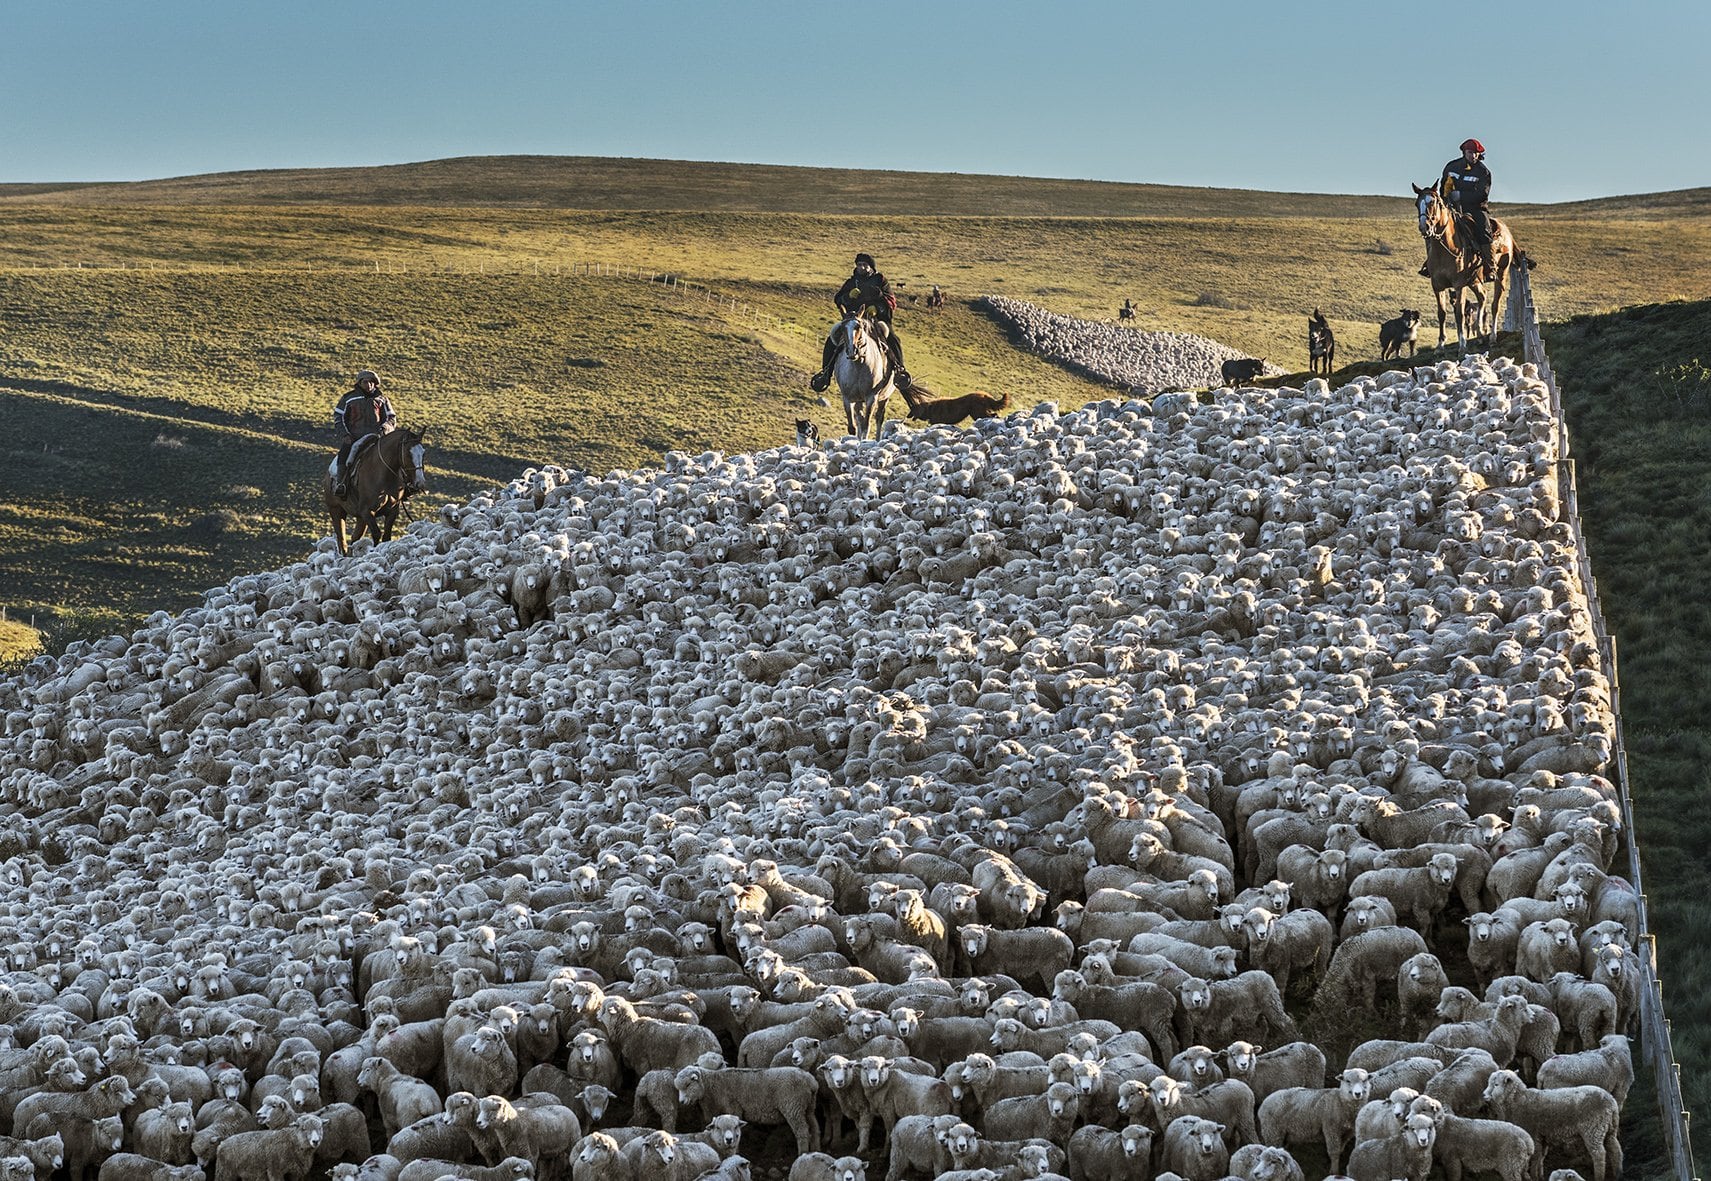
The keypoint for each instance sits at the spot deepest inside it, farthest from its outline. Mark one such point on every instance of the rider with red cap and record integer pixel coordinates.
(1466, 189)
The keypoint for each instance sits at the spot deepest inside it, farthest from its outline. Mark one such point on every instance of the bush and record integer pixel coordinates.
(1380, 246)
(1211, 299)
(210, 527)
(170, 442)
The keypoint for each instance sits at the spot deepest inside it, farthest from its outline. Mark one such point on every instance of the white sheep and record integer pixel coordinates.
(1609, 1065)
(1579, 1117)
(1324, 1115)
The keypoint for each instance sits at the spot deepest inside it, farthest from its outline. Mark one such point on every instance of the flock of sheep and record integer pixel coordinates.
(1143, 362)
(1186, 790)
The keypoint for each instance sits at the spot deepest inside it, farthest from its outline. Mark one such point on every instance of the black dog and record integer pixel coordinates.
(807, 434)
(1393, 334)
(1238, 370)
(1321, 344)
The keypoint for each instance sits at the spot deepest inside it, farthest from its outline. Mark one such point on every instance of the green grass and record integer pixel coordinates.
(1638, 402)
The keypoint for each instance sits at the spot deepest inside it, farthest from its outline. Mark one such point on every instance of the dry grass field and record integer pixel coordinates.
(170, 349)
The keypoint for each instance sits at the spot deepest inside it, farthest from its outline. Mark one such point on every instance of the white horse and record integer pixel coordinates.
(865, 376)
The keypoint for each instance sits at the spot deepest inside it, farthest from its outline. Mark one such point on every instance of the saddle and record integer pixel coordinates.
(359, 449)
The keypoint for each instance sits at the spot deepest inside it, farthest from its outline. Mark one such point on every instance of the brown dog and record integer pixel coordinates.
(950, 411)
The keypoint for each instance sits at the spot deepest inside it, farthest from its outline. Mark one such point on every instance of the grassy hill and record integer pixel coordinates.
(1637, 393)
(595, 182)
(169, 350)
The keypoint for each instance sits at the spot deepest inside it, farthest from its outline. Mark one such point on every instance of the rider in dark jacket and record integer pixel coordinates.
(867, 292)
(1466, 188)
(361, 412)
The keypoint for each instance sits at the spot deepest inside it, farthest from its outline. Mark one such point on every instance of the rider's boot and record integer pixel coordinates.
(822, 379)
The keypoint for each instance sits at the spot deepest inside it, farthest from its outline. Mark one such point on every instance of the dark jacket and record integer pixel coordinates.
(871, 295)
(358, 414)
(1465, 186)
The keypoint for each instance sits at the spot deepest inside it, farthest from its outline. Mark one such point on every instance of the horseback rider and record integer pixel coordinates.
(361, 412)
(865, 292)
(1466, 189)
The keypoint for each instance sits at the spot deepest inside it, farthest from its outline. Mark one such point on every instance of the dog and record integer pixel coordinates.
(1321, 344)
(1238, 370)
(807, 434)
(1393, 334)
(950, 411)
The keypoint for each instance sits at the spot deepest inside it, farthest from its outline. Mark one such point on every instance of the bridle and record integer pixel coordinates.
(1430, 205)
(854, 331)
(417, 471)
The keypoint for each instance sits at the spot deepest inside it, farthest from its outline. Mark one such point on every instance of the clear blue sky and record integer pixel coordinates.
(1573, 98)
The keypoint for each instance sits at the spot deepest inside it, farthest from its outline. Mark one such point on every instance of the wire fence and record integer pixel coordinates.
(1655, 1043)
(670, 281)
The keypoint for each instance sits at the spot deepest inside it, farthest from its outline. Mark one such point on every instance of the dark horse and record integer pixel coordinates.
(384, 476)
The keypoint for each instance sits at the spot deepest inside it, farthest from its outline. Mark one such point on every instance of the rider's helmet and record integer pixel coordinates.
(1474, 144)
(867, 261)
(368, 375)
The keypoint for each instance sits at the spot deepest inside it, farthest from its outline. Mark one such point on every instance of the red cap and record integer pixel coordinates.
(1474, 144)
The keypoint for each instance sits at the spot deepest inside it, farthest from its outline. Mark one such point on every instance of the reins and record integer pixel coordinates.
(396, 472)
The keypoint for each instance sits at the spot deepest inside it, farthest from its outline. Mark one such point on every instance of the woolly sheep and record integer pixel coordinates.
(271, 1155)
(1406, 1154)
(1324, 1115)
(1264, 1162)
(349, 769)
(1295, 1064)
(1609, 1065)
(1105, 1154)
(1194, 1148)
(772, 1095)
(1581, 1117)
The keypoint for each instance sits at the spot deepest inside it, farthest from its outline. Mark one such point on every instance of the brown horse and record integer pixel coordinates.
(384, 476)
(1454, 266)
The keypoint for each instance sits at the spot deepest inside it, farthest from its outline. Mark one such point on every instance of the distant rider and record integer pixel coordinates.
(865, 292)
(1466, 189)
(363, 411)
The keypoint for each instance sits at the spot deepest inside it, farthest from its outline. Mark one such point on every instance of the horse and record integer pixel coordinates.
(1127, 311)
(865, 376)
(384, 476)
(1455, 268)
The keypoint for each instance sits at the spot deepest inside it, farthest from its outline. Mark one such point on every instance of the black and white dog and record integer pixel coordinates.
(807, 434)
(1393, 334)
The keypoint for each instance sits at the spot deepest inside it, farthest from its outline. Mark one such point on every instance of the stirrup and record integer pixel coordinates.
(820, 381)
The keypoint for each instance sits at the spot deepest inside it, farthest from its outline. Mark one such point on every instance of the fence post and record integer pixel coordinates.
(1655, 1040)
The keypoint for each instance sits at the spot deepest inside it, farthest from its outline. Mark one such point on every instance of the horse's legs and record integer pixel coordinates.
(879, 420)
(339, 533)
(365, 523)
(1443, 311)
(389, 518)
(1497, 293)
(1461, 321)
(850, 416)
